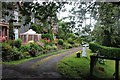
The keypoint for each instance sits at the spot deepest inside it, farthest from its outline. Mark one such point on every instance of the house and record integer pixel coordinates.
(4, 31)
(18, 24)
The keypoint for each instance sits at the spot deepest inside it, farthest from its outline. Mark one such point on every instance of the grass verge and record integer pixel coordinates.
(74, 67)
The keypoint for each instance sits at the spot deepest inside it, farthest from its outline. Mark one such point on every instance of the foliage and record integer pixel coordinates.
(48, 47)
(16, 55)
(34, 46)
(94, 47)
(11, 32)
(106, 30)
(24, 48)
(70, 40)
(76, 44)
(11, 42)
(25, 54)
(48, 36)
(60, 41)
(9, 53)
(37, 28)
(105, 51)
(54, 47)
(17, 43)
(44, 13)
(63, 28)
(32, 52)
(66, 45)
(6, 50)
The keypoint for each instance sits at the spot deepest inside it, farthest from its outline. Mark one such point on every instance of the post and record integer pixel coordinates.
(116, 69)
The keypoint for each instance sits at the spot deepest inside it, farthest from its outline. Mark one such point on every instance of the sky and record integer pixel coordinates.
(67, 13)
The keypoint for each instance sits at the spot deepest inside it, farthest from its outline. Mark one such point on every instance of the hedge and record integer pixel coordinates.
(105, 51)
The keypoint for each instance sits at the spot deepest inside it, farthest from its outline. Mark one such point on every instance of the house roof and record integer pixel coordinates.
(30, 32)
(4, 24)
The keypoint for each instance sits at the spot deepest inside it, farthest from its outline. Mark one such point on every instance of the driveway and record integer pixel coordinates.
(37, 68)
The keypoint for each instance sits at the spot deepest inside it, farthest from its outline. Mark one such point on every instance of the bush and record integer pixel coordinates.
(54, 47)
(24, 48)
(11, 42)
(32, 52)
(26, 54)
(16, 55)
(70, 40)
(76, 45)
(48, 36)
(48, 47)
(9, 53)
(6, 51)
(18, 43)
(105, 51)
(34, 46)
(67, 45)
(60, 41)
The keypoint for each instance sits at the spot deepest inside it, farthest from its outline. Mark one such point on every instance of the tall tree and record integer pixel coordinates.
(108, 17)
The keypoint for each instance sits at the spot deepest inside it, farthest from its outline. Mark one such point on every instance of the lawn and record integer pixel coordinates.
(73, 67)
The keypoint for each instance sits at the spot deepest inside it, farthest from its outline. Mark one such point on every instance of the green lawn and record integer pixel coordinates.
(73, 67)
(27, 59)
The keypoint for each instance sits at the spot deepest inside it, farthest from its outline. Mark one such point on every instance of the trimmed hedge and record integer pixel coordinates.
(105, 51)
(94, 47)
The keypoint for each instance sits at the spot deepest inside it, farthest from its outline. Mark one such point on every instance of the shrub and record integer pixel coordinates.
(26, 54)
(105, 51)
(48, 47)
(54, 47)
(11, 42)
(24, 48)
(56, 41)
(76, 45)
(67, 45)
(70, 40)
(32, 52)
(9, 53)
(18, 43)
(34, 46)
(6, 51)
(16, 55)
(48, 36)
(60, 41)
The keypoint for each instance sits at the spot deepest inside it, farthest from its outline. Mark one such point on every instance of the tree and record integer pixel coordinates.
(65, 29)
(45, 13)
(108, 18)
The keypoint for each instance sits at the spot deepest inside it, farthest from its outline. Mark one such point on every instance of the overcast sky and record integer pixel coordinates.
(67, 13)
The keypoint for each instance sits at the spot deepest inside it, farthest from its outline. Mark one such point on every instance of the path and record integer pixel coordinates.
(37, 68)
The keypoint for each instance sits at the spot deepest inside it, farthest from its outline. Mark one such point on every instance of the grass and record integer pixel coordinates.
(74, 67)
(27, 59)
